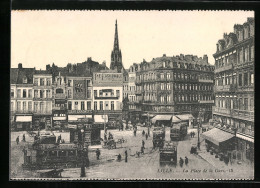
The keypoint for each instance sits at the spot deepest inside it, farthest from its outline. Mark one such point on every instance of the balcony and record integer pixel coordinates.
(60, 96)
(245, 88)
(225, 88)
(44, 112)
(22, 111)
(224, 68)
(207, 102)
(205, 81)
(138, 92)
(42, 99)
(245, 131)
(107, 97)
(221, 111)
(58, 108)
(243, 114)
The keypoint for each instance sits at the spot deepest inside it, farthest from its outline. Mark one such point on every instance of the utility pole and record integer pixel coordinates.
(83, 172)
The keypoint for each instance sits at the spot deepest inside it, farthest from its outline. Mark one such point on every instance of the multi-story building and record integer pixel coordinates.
(59, 102)
(21, 97)
(175, 85)
(42, 99)
(79, 94)
(108, 93)
(234, 87)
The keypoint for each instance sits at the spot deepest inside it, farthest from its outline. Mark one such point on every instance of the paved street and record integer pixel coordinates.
(145, 166)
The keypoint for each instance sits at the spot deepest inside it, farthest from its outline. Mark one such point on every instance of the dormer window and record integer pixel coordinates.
(164, 64)
(25, 80)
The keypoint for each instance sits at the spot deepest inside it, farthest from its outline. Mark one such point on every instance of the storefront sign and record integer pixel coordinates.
(23, 118)
(79, 111)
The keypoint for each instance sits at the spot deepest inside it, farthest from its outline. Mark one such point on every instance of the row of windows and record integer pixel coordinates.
(22, 93)
(42, 94)
(190, 98)
(79, 105)
(105, 105)
(200, 87)
(234, 103)
(42, 81)
(27, 106)
(245, 79)
(107, 93)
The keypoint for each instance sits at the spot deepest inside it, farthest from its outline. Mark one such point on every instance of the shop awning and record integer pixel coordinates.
(245, 138)
(185, 117)
(76, 117)
(175, 119)
(150, 115)
(100, 118)
(161, 118)
(23, 118)
(59, 118)
(217, 136)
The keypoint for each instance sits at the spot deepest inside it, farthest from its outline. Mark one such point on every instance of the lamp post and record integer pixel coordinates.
(83, 173)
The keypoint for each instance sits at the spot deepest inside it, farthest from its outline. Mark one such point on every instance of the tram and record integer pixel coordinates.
(178, 131)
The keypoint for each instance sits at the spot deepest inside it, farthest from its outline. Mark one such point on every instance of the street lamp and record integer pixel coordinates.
(83, 173)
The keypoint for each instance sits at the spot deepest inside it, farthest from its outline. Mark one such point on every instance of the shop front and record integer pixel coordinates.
(23, 122)
(220, 143)
(85, 130)
(42, 122)
(245, 148)
(59, 119)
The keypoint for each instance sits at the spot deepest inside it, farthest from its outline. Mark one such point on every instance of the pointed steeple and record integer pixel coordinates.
(116, 56)
(116, 42)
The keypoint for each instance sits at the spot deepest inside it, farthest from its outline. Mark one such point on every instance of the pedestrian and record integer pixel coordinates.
(143, 133)
(191, 134)
(142, 150)
(153, 144)
(181, 162)
(149, 131)
(186, 160)
(146, 136)
(138, 154)
(143, 143)
(135, 132)
(119, 157)
(97, 153)
(119, 127)
(23, 137)
(126, 156)
(17, 140)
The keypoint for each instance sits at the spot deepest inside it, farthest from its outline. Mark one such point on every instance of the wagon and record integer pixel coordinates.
(110, 144)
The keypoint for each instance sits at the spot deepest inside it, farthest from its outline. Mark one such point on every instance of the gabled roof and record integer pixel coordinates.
(13, 75)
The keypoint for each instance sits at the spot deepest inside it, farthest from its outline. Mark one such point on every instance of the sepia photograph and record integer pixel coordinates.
(132, 95)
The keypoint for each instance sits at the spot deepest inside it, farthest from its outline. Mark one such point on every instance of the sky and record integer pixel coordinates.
(39, 38)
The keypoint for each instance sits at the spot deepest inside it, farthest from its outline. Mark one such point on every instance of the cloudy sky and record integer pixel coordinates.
(43, 37)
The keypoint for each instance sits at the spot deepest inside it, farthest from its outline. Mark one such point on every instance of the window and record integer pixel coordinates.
(35, 106)
(117, 93)
(245, 103)
(36, 81)
(240, 104)
(12, 106)
(18, 106)
(30, 93)
(240, 80)
(162, 75)
(252, 53)
(12, 93)
(41, 107)
(41, 81)
(101, 105)
(36, 93)
(168, 75)
(18, 93)
(24, 93)
(162, 99)
(168, 98)
(251, 78)
(69, 105)
(25, 80)
(76, 105)
(88, 93)
(48, 81)
(251, 104)
(41, 93)
(89, 105)
(95, 93)
(59, 91)
(82, 105)
(95, 105)
(112, 105)
(245, 79)
(24, 106)
(69, 83)
(162, 86)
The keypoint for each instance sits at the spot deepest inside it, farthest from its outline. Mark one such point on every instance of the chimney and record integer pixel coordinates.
(164, 55)
(181, 56)
(205, 58)
(48, 67)
(89, 59)
(20, 66)
(217, 47)
(104, 63)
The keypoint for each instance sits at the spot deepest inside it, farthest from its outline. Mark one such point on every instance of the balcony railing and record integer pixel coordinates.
(225, 88)
(245, 131)
(206, 102)
(225, 68)
(43, 112)
(106, 97)
(246, 88)
(243, 114)
(58, 108)
(22, 111)
(60, 96)
(221, 110)
(205, 81)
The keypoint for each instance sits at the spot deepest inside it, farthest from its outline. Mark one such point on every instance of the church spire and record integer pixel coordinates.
(116, 56)
(116, 42)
